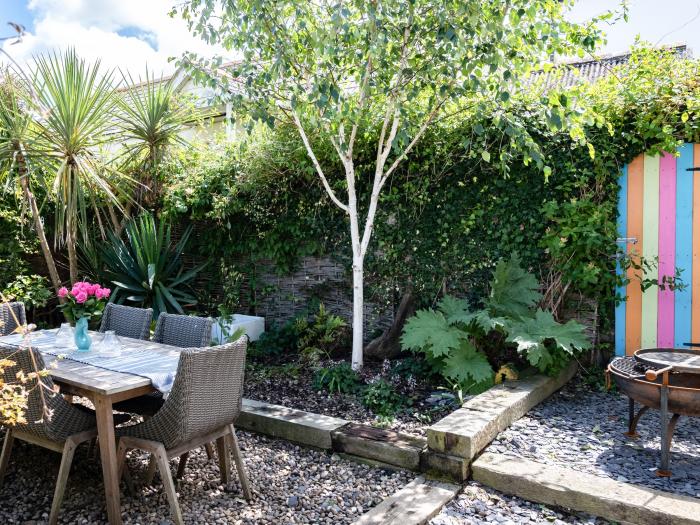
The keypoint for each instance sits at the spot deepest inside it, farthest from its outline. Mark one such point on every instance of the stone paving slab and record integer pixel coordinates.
(466, 431)
(567, 488)
(414, 504)
(301, 427)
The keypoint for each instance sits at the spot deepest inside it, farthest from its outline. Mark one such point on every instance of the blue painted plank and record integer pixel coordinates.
(684, 243)
(621, 308)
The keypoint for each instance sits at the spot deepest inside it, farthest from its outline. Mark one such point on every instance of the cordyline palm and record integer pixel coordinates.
(17, 153)
(150, 121)
(76, 103)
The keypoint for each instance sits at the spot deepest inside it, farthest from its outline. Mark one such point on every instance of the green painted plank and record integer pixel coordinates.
(650, 248)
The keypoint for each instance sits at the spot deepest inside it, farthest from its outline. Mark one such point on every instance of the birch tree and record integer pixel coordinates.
(337, 69)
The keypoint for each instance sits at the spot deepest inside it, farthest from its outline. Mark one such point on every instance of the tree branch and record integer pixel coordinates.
(319, 170)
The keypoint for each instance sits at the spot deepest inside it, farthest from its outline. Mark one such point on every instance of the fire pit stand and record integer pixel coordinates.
(664, 379)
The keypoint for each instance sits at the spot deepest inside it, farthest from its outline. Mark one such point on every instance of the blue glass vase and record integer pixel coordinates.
(82, 338)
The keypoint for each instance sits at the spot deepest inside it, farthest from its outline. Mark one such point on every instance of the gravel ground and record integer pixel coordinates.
(295, 390)
(582, 429)
(479, 504)
(291, 485)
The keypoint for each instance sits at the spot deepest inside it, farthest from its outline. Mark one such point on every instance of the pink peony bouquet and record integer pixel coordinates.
(84, 299)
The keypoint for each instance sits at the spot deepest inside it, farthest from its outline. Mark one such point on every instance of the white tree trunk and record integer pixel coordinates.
(357, 311)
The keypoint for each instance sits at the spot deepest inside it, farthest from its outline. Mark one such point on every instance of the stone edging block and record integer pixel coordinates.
(278, 421)
(468, 430)
(583, 492)
(414, 504)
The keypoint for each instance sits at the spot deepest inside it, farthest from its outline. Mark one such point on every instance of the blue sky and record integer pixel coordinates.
(132, 33)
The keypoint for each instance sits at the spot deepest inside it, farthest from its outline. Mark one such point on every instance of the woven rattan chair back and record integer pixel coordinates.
(184, 331)
(127, 321)
(206, 395)
(8, 313)
(64, 420)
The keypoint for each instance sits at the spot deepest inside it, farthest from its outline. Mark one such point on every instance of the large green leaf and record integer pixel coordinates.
(467, 366)
(531, 334)
(430, 332)
(454, 309)
(514, 291)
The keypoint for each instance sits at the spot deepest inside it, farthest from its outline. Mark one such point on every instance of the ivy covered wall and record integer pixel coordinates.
(448, 214)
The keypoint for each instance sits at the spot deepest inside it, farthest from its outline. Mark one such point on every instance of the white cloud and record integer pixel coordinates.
(126, 34)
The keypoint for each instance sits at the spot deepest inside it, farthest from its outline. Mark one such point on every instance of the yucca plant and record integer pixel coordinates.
(75, 103)
(17, 153)
(146, 267)
(151, 121)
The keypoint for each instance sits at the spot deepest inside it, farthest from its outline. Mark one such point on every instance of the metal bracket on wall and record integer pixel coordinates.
(626, 240)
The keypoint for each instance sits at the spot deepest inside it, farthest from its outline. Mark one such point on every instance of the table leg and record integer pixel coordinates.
(108, 455)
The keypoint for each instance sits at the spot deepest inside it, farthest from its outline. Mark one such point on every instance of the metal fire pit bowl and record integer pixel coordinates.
(664, 379)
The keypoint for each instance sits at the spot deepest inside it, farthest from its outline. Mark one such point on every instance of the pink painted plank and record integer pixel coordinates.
(667, 247)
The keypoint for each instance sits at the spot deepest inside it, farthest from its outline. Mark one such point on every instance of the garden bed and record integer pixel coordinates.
(291, 484)
(478, 504)
(582, 428)
(293, 386)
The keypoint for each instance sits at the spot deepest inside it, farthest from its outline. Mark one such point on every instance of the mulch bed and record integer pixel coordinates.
(294, 389)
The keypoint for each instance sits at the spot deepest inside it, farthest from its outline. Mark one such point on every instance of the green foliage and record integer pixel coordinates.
(447, 215)
(33, 290)
(150, 121)
(76, 101)
(381, 398)
(321, 335)
(338, 379)
(147, 268)
(467, 346)
(276, 342)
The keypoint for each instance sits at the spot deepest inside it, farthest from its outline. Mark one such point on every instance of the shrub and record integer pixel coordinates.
(275, 342)
(380, 397)
(321, 335)
(467, 346)
(33, 290)
(147, 268)
(338, 379)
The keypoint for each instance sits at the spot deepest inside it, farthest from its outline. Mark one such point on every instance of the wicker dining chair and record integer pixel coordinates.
(185, 331)
(203, 406)
(67, 427)
(10, 314)
(127, 321)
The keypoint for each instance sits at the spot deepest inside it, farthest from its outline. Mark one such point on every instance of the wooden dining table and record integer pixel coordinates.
(103, 388)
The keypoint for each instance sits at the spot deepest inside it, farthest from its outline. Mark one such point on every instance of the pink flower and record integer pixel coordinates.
(81, 297)
(106, 292)
(63, 291)
(92, 289)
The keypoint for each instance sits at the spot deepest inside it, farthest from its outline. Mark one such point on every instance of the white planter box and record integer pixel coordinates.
(222, 328)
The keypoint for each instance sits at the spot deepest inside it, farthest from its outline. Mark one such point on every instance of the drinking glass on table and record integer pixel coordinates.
(110, 346)
(64, 336)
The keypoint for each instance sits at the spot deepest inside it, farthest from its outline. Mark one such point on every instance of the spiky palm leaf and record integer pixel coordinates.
(75, 101)
(151, 121)
(147, 269)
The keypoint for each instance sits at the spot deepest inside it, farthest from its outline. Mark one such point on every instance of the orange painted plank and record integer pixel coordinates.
(635, 200)
(695, 285)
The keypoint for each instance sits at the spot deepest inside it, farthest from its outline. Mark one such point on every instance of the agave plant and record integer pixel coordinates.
(151, 121)
(75, 102)
(146, 267)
